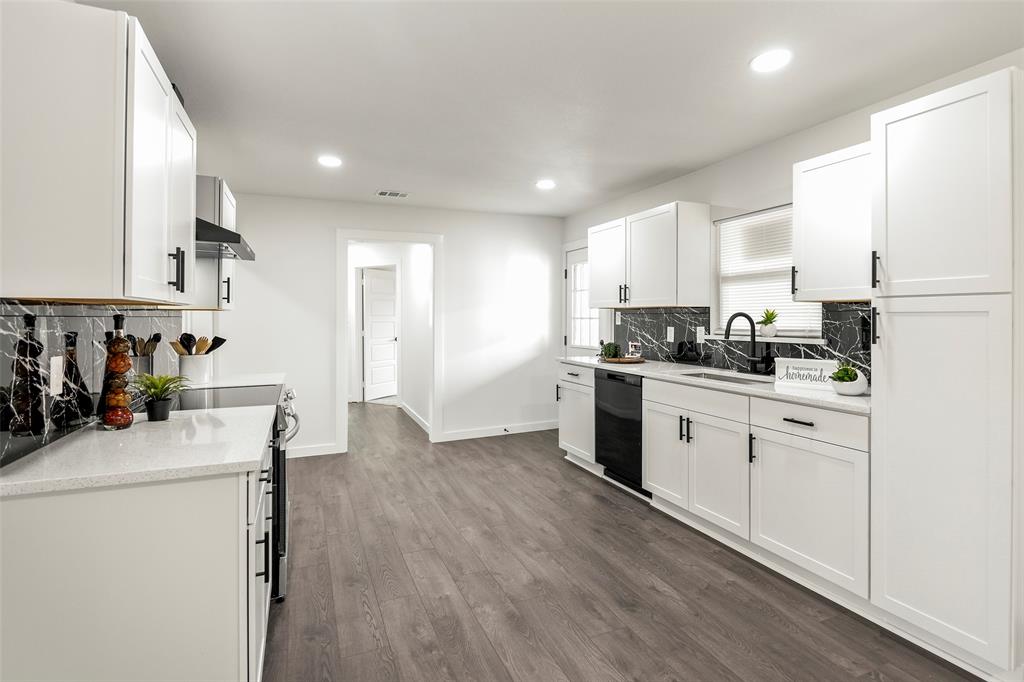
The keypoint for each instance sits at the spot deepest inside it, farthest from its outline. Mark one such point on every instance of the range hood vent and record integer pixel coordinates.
(214, 241)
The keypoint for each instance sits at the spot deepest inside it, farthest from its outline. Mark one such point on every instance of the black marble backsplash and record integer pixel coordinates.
(90, 322)
(846, 329)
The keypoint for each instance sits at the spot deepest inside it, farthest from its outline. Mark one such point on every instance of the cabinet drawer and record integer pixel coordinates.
(840, 428)
(576, 374)
(703, 400)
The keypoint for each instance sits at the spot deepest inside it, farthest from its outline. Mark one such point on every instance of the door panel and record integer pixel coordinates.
(666, 455)
(651, 257)
(576, 420)
(943, 191)
(941, 456)
(606, 249)
(182, 231)
(147, 172)
(809, 504)
(380, 339)
(720, 472)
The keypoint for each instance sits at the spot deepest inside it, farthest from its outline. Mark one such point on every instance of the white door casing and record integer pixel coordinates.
(943, 196)
(941, 468)
(380, 333)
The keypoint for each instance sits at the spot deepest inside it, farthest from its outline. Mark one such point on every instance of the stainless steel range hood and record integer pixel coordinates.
(214, 241)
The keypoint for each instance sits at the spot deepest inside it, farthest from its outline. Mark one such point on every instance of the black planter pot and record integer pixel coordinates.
(158, 410)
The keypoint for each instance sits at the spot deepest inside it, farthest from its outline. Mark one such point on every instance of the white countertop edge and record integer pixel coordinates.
(670, 372)
(240, 380)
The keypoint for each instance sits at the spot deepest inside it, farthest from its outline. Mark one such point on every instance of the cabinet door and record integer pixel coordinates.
(227, 265)
(832, 226)
(576, 420)
(694, 254)
(720, 472)
(183, 203)
(942, 207)
(147, 174)
(809, 504)
(651, 257)
(941, 453)
(258, 580)
(606, 249)
(666, 456)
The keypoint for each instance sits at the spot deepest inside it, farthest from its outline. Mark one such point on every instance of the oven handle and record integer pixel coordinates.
(294, 429)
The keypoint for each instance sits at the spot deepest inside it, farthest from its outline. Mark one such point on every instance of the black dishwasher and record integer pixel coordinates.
(618, 427)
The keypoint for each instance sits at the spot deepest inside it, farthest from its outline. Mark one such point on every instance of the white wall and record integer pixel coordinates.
(414, 266)
(500, 321)
(763, 176)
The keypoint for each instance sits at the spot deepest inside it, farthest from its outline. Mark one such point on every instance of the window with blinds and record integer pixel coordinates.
(755, 255)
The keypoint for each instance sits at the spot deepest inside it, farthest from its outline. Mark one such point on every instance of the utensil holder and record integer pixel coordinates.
(197, 368)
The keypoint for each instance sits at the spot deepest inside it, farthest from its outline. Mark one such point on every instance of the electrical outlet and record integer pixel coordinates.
(56, 374)
(618, 318)
(670, 334)
(700, 334)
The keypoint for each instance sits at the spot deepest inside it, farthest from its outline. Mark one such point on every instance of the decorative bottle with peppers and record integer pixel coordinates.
(116, 400)
(74, 404)
(27, 418)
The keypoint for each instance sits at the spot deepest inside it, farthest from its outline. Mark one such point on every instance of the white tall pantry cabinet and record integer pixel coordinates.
(89, 160)
(947, 397)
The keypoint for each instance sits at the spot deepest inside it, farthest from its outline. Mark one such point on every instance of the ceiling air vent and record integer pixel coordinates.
(391, 194)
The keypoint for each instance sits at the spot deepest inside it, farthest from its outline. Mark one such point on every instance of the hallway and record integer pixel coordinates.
(494, 559)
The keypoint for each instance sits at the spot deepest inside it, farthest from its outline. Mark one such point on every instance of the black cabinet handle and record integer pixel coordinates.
(682, 421)
(558, 394)
(265, 573)
(266, 472)
(874, 269)
(797, 421)
(620, 293)
(874, 324)
(750, 449)
(179, 269)
(689, 436)
(625, 296)
(574, 374)
(792, 279)
(227, 282)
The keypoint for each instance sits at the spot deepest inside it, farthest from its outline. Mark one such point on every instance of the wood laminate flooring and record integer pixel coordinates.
(495, 559)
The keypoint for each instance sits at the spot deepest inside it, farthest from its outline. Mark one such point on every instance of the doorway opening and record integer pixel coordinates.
(390, 326)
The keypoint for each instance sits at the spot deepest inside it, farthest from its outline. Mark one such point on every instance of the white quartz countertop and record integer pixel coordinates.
(236, 380)
(192, 443)
(677, 373)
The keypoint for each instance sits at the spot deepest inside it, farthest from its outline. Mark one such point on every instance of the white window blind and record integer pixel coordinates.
(755, 255)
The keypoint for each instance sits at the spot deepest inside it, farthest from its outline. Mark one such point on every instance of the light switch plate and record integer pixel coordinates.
(618, 318)
(700, 334)
(56, 374)
(670, 334)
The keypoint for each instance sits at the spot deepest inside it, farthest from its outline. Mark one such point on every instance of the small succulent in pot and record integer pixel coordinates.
(159, 390)
(848, 381)
(767, 323)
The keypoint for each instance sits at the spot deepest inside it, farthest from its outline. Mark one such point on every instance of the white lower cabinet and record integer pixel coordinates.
(666, 464)
(576, 420)
(720, 472)
(809, 504)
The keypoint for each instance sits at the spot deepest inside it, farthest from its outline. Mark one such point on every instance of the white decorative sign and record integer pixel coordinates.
(805, 373)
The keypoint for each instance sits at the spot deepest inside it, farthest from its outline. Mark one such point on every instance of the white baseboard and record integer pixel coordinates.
(596, 469)
(488, 431)
(415, 416)
(314, 450)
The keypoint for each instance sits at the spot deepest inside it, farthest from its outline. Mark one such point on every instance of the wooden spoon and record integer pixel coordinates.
(178, 348)
(202, 344)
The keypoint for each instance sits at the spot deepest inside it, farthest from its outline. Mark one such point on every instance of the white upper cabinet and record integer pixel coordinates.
(651, 257)
(659, 257)
(942, 468)
(87, 158)
(181, 246)
(832, 226)
(215, 273)
(942, 201)
(606, 251)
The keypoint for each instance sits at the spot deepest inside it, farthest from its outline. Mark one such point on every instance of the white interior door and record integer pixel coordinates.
(380, 334)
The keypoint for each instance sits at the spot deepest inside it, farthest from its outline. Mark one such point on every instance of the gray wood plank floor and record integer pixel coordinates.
(494, 559)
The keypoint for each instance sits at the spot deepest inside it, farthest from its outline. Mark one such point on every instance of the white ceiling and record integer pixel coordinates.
(466, 105)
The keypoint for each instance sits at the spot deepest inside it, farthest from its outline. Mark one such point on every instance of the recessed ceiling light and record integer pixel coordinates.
(546, 183)
(772, 60)
(329, 161)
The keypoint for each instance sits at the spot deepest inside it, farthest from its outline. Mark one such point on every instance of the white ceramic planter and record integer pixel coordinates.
(198, 368)
(768, 330)
(851, 387)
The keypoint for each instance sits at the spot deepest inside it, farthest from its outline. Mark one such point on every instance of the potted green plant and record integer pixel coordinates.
(158, 391)
(767, 323)
(848, 381)
(611, 350)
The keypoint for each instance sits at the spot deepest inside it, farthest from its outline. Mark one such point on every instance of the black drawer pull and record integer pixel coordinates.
(797, 421)
(574, 374)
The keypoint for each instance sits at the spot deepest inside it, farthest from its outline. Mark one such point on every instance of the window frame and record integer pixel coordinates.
(604, 316)
(715, 330)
